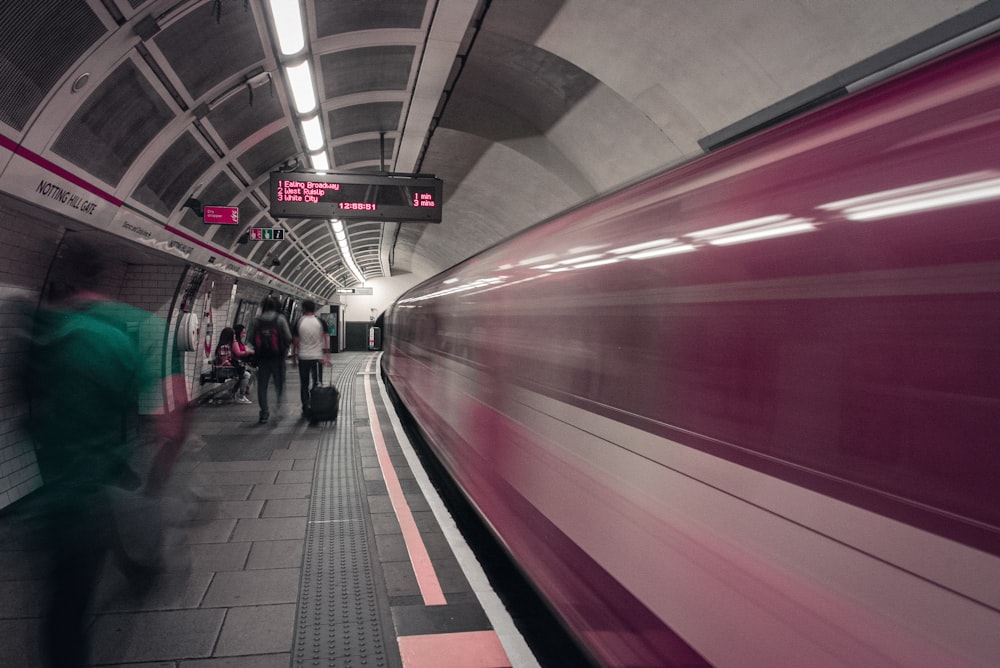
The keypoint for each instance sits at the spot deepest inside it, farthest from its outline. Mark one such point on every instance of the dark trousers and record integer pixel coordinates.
(266, 370)
(78, 537)
(309, 370)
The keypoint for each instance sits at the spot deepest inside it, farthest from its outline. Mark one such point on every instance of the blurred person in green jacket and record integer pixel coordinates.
(91, 360)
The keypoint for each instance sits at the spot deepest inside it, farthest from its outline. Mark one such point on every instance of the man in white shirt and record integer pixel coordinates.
(310, 348)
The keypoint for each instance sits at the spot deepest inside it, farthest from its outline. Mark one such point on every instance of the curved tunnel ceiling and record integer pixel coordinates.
(522, 107)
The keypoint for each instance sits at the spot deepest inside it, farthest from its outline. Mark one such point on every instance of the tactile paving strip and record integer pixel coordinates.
(338, 622)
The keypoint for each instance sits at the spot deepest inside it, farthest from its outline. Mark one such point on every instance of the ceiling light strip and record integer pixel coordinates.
(340, 234)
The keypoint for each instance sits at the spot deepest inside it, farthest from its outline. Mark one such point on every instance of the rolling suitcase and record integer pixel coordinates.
(324, 401)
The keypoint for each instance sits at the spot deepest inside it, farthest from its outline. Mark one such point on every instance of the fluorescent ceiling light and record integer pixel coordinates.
(319, 161)
(301, 82)
(312, 130)
(287, 18)
(348, 259)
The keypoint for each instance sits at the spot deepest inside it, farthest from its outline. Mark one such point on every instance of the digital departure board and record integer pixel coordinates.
(356, 197)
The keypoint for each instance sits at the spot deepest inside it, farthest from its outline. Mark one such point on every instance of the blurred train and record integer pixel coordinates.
(747, 412)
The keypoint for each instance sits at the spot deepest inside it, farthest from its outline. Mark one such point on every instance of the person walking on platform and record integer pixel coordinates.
(310, 348)
(90, 362)
(271, 338)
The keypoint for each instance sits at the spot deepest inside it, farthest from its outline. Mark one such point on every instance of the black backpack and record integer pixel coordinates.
(267, 339)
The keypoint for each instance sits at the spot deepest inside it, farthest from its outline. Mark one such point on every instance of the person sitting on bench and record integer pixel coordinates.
(225, 360)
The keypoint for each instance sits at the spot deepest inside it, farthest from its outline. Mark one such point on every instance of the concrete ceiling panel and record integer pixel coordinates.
(522, 107)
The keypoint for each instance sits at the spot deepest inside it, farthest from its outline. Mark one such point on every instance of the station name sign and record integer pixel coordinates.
(373, 197)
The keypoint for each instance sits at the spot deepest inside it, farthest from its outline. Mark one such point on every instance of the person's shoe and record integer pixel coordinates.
(243, 400)
(263, 418)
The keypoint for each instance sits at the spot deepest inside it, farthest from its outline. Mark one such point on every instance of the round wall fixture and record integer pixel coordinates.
(187, 333)
(81, 81)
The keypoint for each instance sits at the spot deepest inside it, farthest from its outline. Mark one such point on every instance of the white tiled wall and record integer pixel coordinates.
(27, 247)
(25, 252)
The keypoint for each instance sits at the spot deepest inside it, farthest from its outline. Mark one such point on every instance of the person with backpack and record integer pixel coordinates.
(310, 348)
(271, 338)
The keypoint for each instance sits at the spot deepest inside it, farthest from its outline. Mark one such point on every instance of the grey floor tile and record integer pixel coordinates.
(155, 636)
(251, 465)
(290, 491)
(380, 503)
(391, 547)
(257, 630)
(437, 546)
(286, 508)
(450, 577)
(270, 528)
(417, 502)
(209, 531)
(305, 454)
(20, 643)
(21, 564)
(168, 591)
(462, 614)
(400, 579)
(425, 521)
(284, 477)
(224, 492)
(215, 510)
(255, 587)
(385, 523)
(212, 478)
(258, 661)
(275, 554)
(22, 598)
(212, 557)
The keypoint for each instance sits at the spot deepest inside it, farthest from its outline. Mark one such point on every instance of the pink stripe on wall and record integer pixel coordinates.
(17, 149)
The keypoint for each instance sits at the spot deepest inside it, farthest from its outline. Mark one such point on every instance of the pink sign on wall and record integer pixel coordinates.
(222, 215)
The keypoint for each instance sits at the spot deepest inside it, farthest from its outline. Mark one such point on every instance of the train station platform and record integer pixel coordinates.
(288, 545)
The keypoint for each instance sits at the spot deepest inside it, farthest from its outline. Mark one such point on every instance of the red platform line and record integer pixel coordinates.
(427, 580)
(31, 156)
(475, 649)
